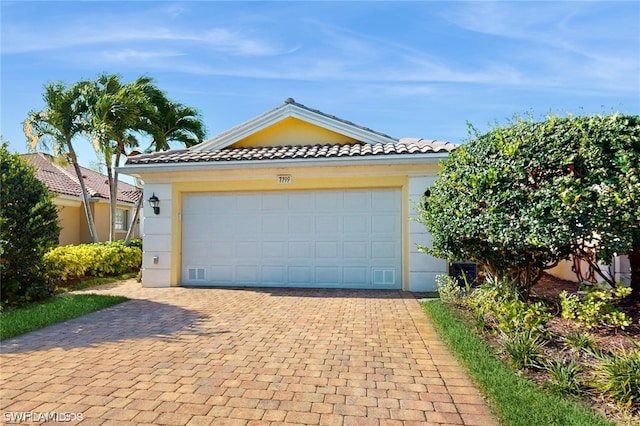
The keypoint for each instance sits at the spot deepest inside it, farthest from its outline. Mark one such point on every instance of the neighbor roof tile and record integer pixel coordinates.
(61, 179)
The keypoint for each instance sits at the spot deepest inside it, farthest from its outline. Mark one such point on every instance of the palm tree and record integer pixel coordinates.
(58, 124)
(115, 111)
(172, 122)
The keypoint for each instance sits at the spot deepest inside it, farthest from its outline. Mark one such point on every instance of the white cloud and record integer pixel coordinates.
(134, 55)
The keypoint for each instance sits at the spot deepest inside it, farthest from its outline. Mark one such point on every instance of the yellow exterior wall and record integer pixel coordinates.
(75, 229)
(292, 131)
(69, 220)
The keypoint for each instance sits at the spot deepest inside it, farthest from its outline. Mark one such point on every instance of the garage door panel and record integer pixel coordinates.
(329, 275)
(356, 200)
(246, 225)
(273, 274)
(300, 275)
(382, 250)
(327, 250)
(328, 201)
(218, 250)
(247, 250)
(353, 224)
(300, 249)
(384, 200)
(356, 250)
(272, 224)
(300, 225)
(328, 225)
(223, 274)
(301, 201)
(274, 201)
(272, 249)
(246, 274)
(326, 238)
(383, 224)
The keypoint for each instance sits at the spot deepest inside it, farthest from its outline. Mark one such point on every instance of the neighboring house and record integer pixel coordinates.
(619, 269)
(63, 183)
(293, 197)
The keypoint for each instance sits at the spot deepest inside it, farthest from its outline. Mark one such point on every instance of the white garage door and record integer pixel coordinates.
(331, 238)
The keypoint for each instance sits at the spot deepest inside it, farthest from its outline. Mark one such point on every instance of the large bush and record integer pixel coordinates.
(28, 229)
(524, 196)
(68, 263)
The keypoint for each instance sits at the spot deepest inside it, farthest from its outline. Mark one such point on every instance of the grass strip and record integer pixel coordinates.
(92, 282)
(57, 309)
(516, 401)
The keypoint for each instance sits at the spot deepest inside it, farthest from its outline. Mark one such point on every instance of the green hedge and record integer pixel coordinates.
(72, 262)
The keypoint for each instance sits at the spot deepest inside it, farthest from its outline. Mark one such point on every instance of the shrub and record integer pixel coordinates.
(515, 316)
(28, 228)
(596, 307)
(618, 377)
(97, 259)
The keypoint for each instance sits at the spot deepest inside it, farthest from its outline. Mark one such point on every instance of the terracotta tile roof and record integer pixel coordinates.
(291, 152)
(61, 179)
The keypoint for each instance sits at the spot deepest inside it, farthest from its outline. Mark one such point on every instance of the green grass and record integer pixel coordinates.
(57, 309)
(91, 282)
(516, 401)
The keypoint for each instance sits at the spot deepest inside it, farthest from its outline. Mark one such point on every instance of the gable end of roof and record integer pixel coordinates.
(290, 108)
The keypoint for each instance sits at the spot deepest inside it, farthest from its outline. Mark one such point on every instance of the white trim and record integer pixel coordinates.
(277, 114)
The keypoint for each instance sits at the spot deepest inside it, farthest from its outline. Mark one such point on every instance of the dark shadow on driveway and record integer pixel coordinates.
(134, 319)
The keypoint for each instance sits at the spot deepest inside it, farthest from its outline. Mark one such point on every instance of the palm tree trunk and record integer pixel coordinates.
(132, 224)
(85, 194)
(113, 194)
(113, 201)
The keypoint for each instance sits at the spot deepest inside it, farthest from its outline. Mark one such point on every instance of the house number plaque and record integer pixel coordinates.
(284, 179)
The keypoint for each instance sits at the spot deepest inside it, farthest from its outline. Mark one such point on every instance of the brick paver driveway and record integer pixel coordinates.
(231, 356)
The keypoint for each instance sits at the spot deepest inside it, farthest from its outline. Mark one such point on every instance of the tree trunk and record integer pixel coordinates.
(85, 195)
(113, 200)
(634, 266)
(112, 174)
(132, 224)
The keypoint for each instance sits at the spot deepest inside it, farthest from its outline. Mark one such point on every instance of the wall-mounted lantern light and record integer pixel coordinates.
(155, 203)
(427, 194)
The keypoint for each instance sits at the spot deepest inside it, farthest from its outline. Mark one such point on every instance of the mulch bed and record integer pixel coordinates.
(548, 288)
(608, 340)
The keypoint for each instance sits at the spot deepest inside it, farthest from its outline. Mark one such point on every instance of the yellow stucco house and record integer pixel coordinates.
(291, 198)
(63, 183)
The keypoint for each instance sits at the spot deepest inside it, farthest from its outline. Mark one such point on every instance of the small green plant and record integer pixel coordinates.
(596, 307)
(516, 316)
(564, 375)
(618, 377)
(579, 340)
(448, 289)
(524, 348)
(483, 298)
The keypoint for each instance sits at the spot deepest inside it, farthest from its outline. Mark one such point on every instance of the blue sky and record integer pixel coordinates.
(408, 69)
